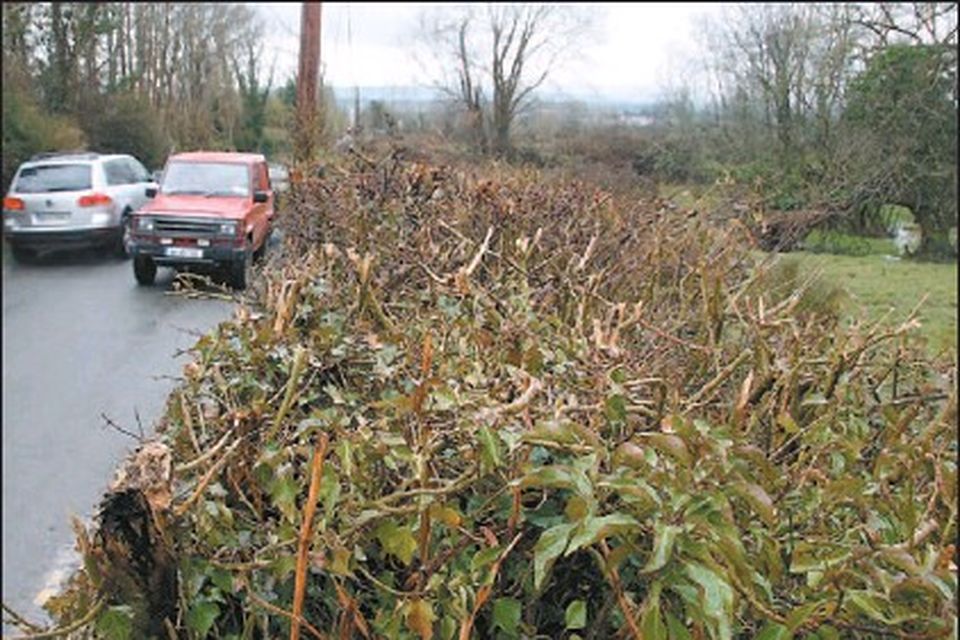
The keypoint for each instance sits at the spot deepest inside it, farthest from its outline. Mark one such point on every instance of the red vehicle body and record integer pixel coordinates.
(213, 211)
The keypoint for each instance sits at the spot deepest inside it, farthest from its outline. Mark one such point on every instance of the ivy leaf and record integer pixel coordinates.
(662, 547)
(397, 540)
(115, 623)
(506, 615)
(201, 616)
(551, 544)
(420, 617)
(576, 615)
(283, 492)
(447, 515)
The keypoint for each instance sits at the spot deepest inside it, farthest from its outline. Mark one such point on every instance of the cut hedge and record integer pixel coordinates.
(495, 405)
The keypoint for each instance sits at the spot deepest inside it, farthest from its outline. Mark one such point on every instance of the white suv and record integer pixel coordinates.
(73, 199)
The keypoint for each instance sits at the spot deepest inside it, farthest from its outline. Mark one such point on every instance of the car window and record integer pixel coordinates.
(53, 177)
(207, 178)
(138, 171)
(118, 172)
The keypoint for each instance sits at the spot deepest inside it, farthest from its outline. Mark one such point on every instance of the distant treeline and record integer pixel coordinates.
(839, 106)
(142, 78)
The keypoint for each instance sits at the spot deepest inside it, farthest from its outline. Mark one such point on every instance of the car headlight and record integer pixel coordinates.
(144, 224)
(228, 228)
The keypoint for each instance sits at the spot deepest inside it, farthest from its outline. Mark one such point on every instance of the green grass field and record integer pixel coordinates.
(875, 284)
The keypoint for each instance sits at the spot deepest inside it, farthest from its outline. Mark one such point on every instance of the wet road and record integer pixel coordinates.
(80, 339)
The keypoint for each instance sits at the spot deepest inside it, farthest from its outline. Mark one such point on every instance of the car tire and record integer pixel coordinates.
(121, 247)
(23, 254)
(144, 270)
(241, 271)
(259, 254)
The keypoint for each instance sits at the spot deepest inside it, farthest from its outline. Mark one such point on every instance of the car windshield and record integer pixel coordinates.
(53, 177)
(206, 178)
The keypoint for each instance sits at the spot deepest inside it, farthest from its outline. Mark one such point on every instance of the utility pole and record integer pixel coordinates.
(309, 120)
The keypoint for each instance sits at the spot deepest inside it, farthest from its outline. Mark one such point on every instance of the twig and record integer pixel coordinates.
(381, 585)
(272, 608)
(479, 256)
(205, 480)
(626, 607)
(115, 426)
(295, 369)
(300, 578)
(63, 631)
(196, 462)
(708, 389)
(484, 592)
(19, 620)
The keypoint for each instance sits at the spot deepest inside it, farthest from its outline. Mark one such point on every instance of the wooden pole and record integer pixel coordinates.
(309, 120)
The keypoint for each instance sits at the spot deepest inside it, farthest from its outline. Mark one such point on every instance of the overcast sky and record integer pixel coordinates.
(638, 48)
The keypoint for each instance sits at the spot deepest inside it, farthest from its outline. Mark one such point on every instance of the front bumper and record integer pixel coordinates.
(212, 256)
(56, 238)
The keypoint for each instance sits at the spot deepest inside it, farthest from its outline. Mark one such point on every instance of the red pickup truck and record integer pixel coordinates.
(213, 211)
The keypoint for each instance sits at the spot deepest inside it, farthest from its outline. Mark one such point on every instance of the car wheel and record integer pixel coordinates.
(22, 254)
(241, 271)
(122, 246)
(145, 270)
(259, 254)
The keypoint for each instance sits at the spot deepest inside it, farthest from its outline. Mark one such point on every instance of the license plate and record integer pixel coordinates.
(52, 216)
(184, 252)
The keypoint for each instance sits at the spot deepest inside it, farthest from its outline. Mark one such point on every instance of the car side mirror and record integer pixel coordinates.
(151, 192)
(260, 196)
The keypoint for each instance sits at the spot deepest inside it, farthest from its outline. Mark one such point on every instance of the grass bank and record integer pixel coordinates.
(875, 284)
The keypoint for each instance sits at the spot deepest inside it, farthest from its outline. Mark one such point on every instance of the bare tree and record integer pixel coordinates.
(491, 60)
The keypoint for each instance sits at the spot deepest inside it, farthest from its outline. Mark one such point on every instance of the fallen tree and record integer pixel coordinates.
(488, 404)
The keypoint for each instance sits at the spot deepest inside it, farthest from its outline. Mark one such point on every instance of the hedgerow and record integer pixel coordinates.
(488, 404)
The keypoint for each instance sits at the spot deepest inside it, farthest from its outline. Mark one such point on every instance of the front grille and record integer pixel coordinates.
(186, 226)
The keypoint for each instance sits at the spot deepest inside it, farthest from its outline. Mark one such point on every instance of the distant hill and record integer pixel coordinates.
(617, 100)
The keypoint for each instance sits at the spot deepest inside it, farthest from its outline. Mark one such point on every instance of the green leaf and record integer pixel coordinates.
(551, 544)
(868, 604)
(662, 547)
(396, 540)
(759, 501)
(799, 615)
(115, 623)
(419, 618)
(774, 631)
(593, 529)
(672, 445)
(559, 477)
(676, 629)
(506, 615)
(651, 623)
(201, 616)
(615, 409)
(717, 599)
(576, 615)
(490, 449)
(283, 492)
(484, 557)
